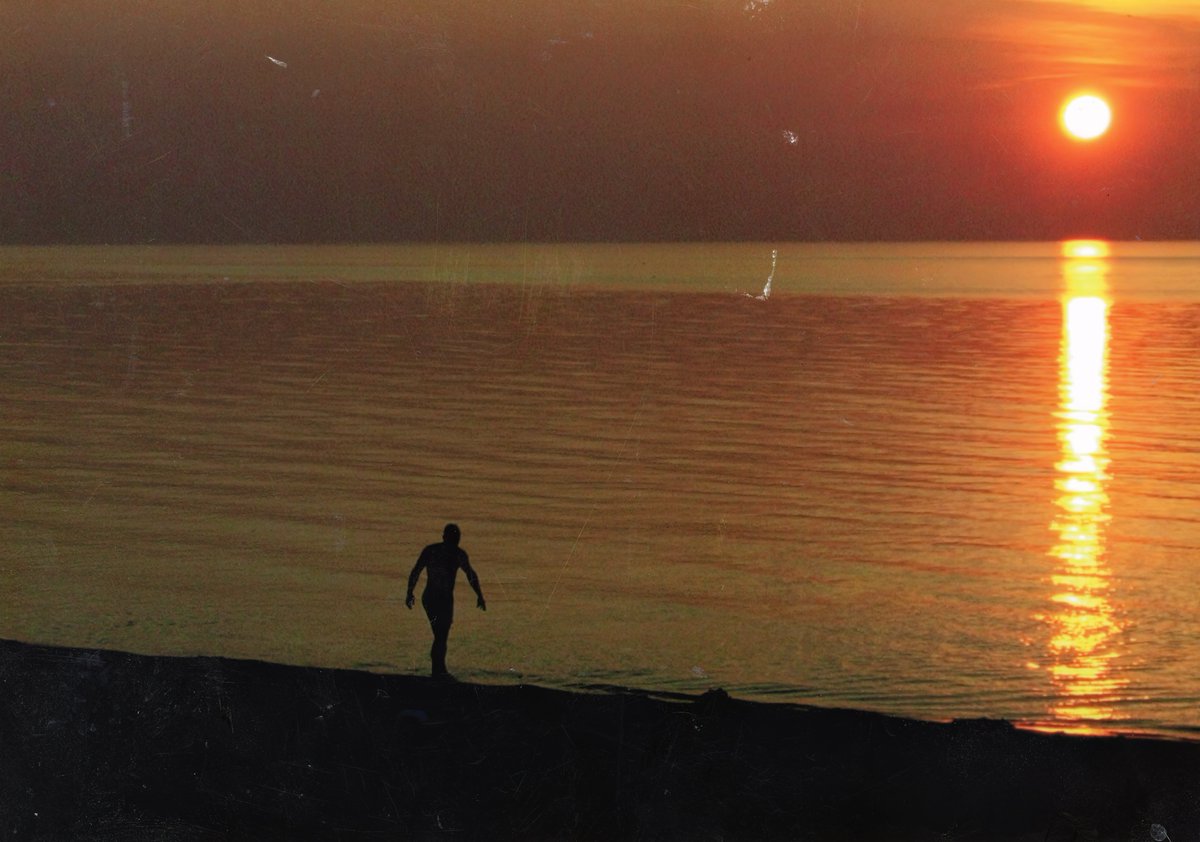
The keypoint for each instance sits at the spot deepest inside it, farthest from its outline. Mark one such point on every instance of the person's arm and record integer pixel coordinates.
(412, 579)
(473, 581)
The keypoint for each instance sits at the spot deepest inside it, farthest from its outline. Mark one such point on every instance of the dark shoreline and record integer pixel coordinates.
(107, 745)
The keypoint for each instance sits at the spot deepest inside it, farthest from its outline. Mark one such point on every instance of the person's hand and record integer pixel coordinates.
(481, 605)
(409, 601)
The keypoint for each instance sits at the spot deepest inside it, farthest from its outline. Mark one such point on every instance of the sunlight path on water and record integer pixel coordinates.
(1084, 621)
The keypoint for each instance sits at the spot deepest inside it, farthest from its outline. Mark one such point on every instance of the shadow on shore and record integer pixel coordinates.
(107, 745)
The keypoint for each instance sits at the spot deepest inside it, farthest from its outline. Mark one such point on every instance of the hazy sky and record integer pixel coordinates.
(348, 120)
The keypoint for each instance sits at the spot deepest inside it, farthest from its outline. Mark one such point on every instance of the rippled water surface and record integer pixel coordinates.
(941, 481)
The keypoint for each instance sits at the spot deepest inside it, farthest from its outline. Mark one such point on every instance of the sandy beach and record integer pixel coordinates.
(108, 745)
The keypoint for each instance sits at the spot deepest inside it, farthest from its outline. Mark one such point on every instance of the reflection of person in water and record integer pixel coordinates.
(441, 563)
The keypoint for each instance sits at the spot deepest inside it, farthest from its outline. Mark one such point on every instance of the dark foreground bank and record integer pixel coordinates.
(106, 745)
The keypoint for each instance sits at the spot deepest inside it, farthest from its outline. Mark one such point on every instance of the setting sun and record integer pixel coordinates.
(1086, 117)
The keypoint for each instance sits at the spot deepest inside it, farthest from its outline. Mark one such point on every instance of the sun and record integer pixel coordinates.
(1085, 117)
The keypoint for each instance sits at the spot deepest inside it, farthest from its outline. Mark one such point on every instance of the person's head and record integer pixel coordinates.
(451, 534)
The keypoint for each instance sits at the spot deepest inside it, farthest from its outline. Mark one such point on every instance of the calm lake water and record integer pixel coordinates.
(933, 480)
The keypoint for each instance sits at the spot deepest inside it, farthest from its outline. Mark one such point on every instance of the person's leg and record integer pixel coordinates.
(441, 614)
(437, 655)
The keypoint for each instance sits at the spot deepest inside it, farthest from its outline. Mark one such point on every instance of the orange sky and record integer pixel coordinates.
(137, 120)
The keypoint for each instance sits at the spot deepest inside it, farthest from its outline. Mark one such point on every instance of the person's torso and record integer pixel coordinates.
(442, 562)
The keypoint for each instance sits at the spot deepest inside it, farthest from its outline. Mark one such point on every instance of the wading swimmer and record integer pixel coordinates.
(441, 563)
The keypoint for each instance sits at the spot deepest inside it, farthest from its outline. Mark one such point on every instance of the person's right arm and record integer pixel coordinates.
(413, 577)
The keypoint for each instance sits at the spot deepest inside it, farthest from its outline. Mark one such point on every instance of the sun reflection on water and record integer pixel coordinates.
(1084, 620)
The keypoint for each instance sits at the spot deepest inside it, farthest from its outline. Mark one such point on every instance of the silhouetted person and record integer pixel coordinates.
(441, 563)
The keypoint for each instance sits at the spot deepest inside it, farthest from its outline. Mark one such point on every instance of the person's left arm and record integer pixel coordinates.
(473, 581)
